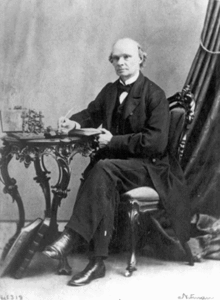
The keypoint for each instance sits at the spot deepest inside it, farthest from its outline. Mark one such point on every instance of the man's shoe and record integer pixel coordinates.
(62, 246)
(95, 269)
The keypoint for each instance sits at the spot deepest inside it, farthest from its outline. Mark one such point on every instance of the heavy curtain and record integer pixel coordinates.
(201, 161)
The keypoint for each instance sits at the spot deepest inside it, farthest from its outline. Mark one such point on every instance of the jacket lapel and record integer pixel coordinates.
(134, 96)
(111, 98)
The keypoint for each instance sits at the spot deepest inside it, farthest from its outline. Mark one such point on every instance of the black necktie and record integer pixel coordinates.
(123, 88)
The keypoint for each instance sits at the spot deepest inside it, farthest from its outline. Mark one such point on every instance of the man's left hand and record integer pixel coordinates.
(104, 138)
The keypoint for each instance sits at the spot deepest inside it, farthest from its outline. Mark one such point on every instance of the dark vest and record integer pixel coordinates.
(117, 121)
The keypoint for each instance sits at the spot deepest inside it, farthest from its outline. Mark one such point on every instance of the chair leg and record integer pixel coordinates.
(133, 217)
(188, 253)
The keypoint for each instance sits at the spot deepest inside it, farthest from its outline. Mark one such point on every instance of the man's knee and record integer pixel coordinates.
(104, 169)
(104, 164)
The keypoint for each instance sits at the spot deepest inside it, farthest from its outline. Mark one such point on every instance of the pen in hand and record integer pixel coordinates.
(68, 113)
(63, 120)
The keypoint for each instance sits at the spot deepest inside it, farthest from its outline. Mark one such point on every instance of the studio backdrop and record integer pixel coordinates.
(54, 56)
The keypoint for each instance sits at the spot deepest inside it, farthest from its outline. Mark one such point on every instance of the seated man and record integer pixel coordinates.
(134, 114)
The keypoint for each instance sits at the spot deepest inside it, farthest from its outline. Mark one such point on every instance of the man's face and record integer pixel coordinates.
(125, 59)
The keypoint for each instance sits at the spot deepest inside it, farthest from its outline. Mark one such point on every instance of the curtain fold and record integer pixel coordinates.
(201, 160)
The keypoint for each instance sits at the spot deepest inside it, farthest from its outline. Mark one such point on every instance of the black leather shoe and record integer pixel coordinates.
(62, 246)
(95, 269)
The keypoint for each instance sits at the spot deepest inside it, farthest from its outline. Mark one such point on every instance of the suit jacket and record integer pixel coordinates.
(145, 136)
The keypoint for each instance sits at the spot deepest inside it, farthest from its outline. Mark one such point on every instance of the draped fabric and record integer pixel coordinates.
(201, 161)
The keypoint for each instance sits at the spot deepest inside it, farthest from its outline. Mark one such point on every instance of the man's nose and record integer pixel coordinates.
(121, 60)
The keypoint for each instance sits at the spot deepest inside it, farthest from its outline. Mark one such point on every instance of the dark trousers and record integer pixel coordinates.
(99, 195)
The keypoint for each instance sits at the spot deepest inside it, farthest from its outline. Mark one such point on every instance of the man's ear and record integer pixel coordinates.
(143, 59)
(140, 61)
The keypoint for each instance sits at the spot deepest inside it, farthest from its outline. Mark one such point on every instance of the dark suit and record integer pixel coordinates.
(135, 157)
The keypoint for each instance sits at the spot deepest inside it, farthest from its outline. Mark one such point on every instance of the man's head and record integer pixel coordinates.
(127, 58)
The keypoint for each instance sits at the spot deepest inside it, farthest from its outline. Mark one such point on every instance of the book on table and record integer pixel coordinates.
(32, 248)
(86, 132)
(16, 253)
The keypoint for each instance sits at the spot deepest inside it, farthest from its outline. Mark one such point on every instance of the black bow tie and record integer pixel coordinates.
(124, 88)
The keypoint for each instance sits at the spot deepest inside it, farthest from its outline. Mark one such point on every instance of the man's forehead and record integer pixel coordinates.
(125, 46)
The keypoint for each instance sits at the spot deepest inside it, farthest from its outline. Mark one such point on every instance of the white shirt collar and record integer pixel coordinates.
(130, 80)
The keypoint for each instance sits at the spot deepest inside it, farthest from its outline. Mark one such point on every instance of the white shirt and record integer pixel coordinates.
(128, 81)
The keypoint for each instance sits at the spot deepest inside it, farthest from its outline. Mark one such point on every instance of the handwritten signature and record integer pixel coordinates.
(194, 297)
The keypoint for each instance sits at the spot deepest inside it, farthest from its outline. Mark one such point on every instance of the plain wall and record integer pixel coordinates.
(54, 56)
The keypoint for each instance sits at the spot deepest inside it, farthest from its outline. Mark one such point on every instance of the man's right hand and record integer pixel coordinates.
(65, 125)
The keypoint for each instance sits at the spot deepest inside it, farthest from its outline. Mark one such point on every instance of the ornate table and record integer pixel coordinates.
(32, 149)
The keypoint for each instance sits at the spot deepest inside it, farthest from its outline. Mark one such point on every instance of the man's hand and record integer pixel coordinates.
(65, 125)
(104, 138)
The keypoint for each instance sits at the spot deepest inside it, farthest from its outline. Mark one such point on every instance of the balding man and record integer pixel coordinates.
(134, 115)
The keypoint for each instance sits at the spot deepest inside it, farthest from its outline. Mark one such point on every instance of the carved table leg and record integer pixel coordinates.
(64, 267)
(60, 191)
(52, 232)
(11, 189)
(43, 181)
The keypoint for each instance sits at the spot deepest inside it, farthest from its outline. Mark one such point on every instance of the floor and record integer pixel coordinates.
(155, 279)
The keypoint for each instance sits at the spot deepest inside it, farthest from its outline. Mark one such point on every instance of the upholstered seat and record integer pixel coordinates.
(145, 199)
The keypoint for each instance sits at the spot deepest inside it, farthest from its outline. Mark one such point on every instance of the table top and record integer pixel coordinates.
(41, 138)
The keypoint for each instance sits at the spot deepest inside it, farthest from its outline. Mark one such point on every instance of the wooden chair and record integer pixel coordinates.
(145, 200)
